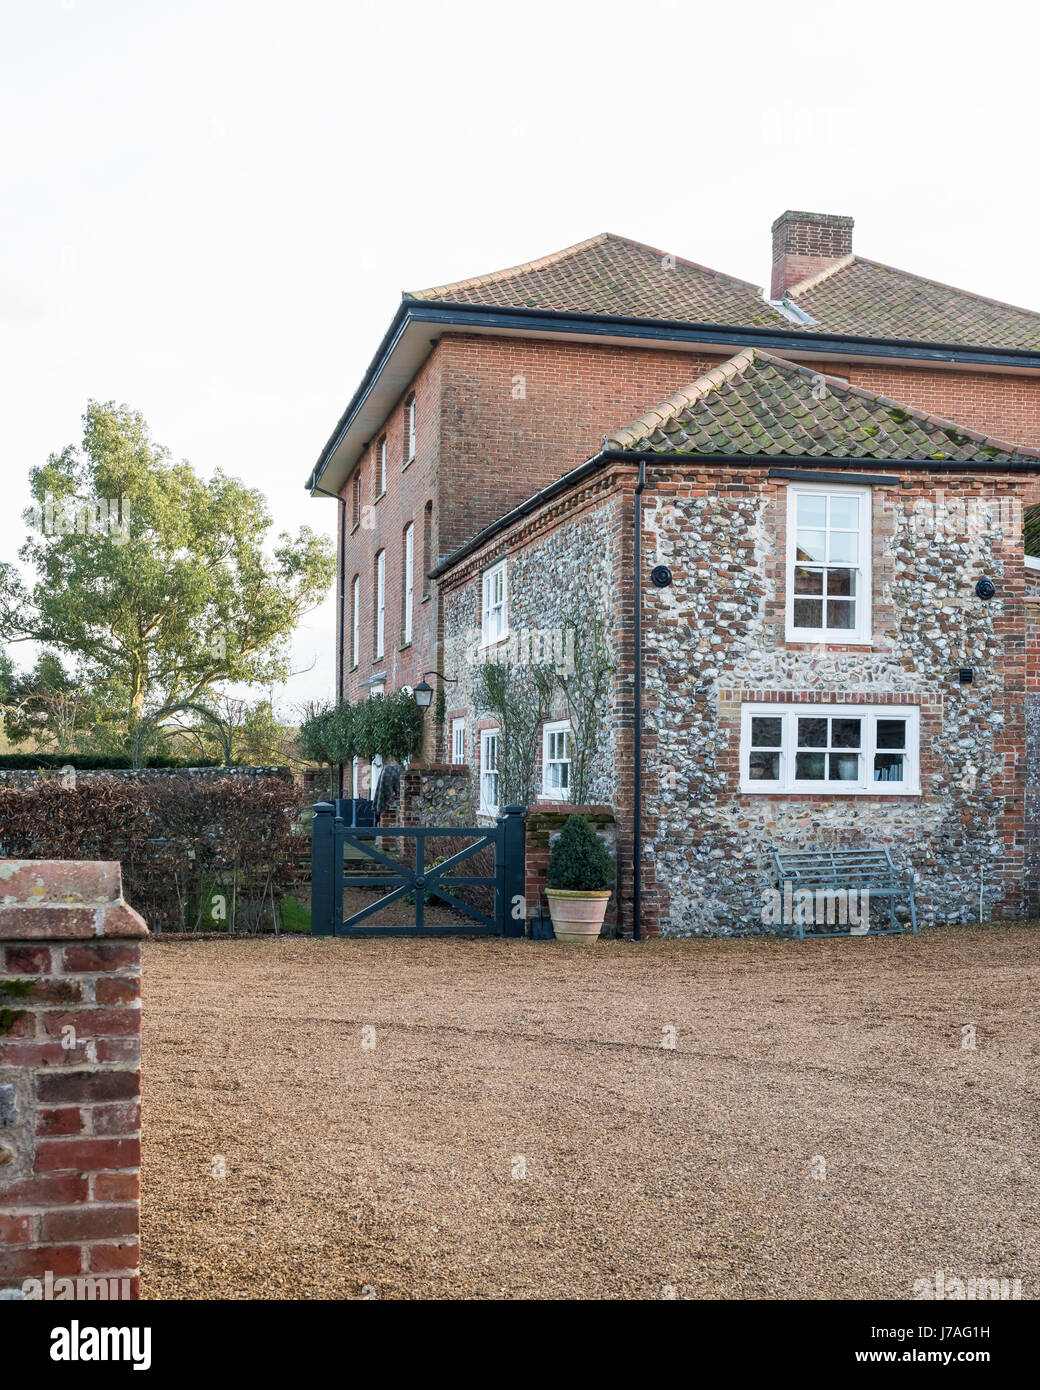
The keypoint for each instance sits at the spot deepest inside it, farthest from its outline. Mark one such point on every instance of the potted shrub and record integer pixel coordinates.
(579, 880)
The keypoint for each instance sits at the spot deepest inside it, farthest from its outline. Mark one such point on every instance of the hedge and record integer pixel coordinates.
(90, 762)
(195, 853)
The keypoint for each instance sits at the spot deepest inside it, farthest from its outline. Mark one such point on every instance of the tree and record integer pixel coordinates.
(155, 580)
(263, 741)
(327, 733)
(45, 704)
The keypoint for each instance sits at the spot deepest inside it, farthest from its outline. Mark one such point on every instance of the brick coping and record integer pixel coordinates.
(64, 899)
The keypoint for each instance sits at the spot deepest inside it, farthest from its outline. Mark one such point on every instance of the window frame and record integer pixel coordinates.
(408, 586)
(487, 607)
(409, 430)
(486, 808)
(379, 649)
(557, 726)
(787, 784)
(381, 465)
(862, 633)
(458, 740)
(355, 509)
(355, 621)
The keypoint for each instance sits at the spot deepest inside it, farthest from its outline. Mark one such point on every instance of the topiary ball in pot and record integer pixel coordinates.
(580, 878)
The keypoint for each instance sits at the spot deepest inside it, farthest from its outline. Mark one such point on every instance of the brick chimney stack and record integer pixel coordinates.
(804, 243)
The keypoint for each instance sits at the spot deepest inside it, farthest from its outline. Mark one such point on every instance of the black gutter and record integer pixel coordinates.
(398, 324)
(689, 330)
(637, 710)
(671, 330)
(590, 466)
(341, 586)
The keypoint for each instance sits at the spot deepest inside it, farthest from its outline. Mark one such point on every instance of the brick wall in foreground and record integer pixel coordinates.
(70, 1079)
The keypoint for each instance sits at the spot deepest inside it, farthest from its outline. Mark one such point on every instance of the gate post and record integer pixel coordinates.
(323, 866)
(513, 906)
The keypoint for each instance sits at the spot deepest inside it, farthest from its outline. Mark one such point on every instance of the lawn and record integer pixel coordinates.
(818, 1130)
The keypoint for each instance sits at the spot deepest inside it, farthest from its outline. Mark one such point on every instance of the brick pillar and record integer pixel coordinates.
(70, 1078)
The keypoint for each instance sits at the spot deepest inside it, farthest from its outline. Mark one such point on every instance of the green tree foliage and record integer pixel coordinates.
(327, 734)
(46, 705)
(579, 860)
(262, 741)
(386, 726)
(400, 727)
(155, 581)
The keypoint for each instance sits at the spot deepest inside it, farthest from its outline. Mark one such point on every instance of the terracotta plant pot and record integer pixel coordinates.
(577, 917)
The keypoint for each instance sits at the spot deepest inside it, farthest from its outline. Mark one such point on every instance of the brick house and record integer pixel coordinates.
(487, 476)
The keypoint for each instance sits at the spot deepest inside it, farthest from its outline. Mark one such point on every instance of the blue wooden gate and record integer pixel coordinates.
(331, 834)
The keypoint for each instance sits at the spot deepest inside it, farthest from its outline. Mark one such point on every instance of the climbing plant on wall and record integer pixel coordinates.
(585, 682)
(521, 697)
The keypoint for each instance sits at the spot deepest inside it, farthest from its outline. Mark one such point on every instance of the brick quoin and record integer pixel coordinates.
(70, 1138)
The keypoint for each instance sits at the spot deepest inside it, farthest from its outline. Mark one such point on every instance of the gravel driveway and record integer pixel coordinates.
(518, 1130)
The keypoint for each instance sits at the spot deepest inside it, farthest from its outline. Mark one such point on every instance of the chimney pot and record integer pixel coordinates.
(804, 243)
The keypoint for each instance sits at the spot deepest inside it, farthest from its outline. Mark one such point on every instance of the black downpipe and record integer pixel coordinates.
(340, 623)
(637, 711)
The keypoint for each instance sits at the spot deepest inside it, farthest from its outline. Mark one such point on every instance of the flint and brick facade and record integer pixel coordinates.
(508, 406)
(715, 640)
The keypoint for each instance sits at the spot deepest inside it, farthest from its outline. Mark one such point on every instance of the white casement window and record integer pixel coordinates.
(828, 563)
(355, 621)
(382, 467)
(380, 604)
(489, 771)
(495, 611)
(834, 749)
(458, 740)
(409, 423)
(556, 761)
(409, 579)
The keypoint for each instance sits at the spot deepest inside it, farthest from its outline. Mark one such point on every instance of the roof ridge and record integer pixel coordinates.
(684, 260)
(923, 280)
(496, 277)
(493, 277)
(811, 281)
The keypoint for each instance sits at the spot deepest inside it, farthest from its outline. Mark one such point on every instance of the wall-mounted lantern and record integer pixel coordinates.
(423, 693)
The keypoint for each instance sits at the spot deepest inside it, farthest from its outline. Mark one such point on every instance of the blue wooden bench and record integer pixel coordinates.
(843, 871)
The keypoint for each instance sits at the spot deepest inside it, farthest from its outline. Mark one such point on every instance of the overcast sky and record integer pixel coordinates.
(209, 210)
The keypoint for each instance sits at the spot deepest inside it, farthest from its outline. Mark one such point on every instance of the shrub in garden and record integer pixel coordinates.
(580, 861)
(194, 853)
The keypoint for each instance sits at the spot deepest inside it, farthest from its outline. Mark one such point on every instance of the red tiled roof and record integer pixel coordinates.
(615, 276)
(760, 404)
(868, 299)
